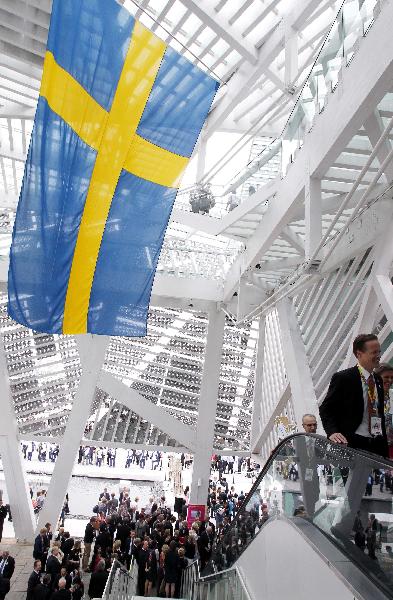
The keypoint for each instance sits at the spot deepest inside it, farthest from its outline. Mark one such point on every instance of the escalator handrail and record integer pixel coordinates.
(379, 461)
(384, 462)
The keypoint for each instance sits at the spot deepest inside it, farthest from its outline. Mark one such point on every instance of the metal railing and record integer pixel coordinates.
(190, 577)
(121, 584)
(225, 585)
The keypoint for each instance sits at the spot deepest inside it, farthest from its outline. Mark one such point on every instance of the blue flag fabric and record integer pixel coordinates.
(117, 119)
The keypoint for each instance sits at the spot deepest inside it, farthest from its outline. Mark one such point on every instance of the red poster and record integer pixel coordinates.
(195, 512)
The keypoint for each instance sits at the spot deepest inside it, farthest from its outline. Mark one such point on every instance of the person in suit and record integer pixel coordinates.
(90, 534)
(98, 581)
(130, 549)
(53, 565)
(62, 593)
(34, 580)
(7, 565)
(3, 514)
(42, 591)
(4, 586)
(40, 546)
(353, 411)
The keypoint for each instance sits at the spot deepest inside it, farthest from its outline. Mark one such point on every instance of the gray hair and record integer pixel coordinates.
(310, 415)
(62, 582)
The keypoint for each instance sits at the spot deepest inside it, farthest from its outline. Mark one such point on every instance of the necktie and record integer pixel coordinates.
(2, 565)
(372, 405)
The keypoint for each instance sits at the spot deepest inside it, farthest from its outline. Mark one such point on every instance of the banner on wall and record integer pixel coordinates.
(195, 512)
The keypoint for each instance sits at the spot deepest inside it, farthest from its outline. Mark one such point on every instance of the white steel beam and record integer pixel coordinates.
(256, 424)
(245, 77)
(207, 409)
(364, 323)
(11, 457)
(293, 238)
(279, 264)
(195, 289)
(296, 362)
(167, 289)
(365, 83)
(291, 67)
(221, 26)
(156, 415)
(267, 427)
(374, 129)
(14, 110)
(384, 290)
(376, 290)
(313, 215)
(92, 353)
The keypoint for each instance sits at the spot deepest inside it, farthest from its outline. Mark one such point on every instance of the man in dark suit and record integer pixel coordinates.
(3, 514)
(53, 565)
(39, 546)
(4, 587)
(98, 581)
(62, 593)
(34, 580)
(353, 411)
(42, 591)
(130, 549)
(7, 565)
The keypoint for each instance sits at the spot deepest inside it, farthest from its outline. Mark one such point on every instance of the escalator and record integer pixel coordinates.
(318, 522)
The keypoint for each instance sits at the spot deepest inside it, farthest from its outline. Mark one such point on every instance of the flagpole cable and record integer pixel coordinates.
(179, 42)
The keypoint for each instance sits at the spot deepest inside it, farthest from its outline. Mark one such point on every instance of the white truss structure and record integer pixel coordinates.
(255, 304)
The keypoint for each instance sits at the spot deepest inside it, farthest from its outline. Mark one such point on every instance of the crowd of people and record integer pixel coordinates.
(159, 543)
(41, 451)
(152, 540)
(98, 456)
(234, 464)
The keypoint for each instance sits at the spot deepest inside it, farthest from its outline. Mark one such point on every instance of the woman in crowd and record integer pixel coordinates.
(74, 557)
(160, 570)
(151, 569)
(171, 566)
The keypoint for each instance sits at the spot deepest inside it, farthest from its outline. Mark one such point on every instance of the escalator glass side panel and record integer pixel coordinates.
(346, 493)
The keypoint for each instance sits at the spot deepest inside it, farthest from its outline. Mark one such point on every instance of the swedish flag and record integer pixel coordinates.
(117, 119)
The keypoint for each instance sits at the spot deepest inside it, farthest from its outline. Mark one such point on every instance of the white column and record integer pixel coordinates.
(291, 55)
(313, 215)
(11, 456)
(201, 156)
(364, 322)
(256, 425)
(207, 408)
(296, 362)
(374, 128)
(374, 294)
(92, 353)
(381, 280)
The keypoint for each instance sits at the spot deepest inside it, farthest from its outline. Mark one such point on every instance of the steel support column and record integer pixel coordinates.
(313, 215)
(291, 55)
(207, 408)
(92, 353)
(378, 291)
(256, 425)
(11, 456)
(296, 362)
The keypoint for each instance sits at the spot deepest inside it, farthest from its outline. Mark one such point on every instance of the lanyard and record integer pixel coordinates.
(371, 390)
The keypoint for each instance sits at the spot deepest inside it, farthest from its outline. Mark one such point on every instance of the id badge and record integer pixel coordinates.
(376, 426)
(309, 474)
